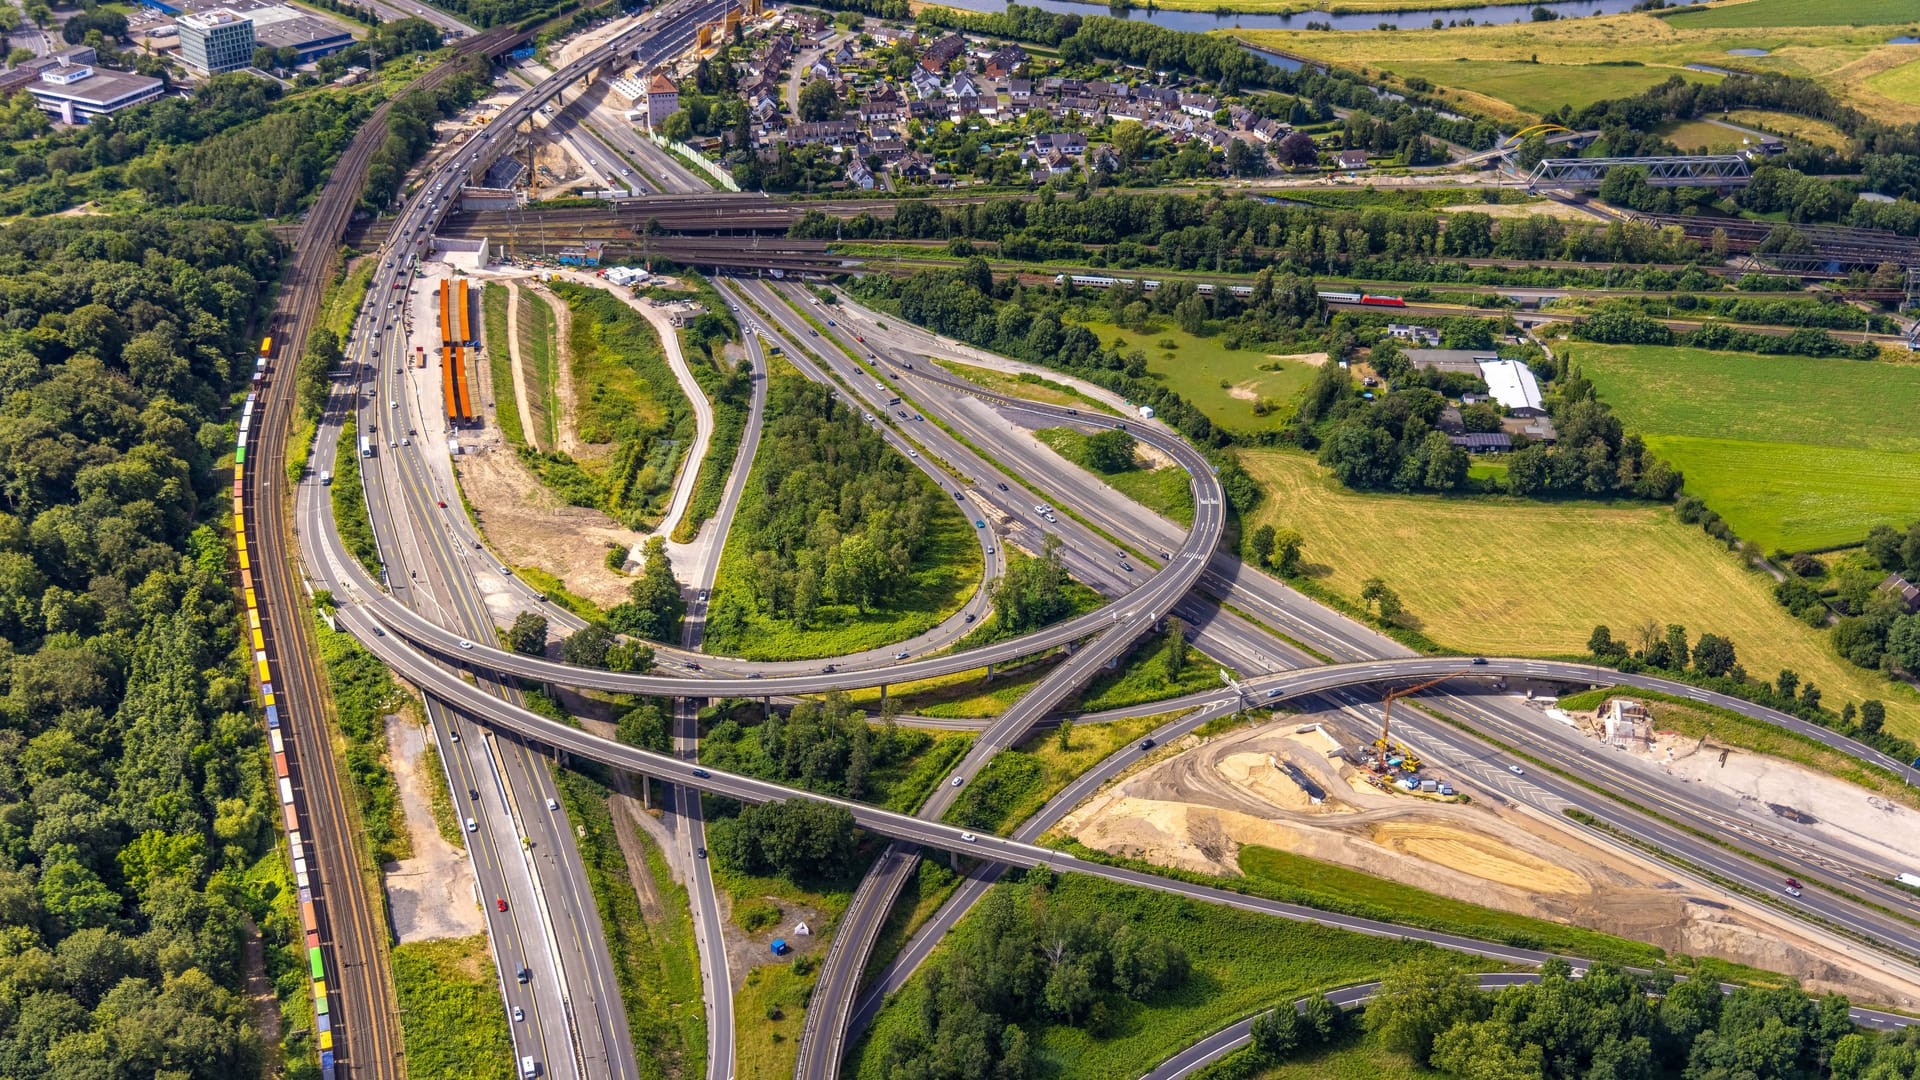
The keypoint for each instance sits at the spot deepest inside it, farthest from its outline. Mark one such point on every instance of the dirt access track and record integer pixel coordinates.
(1196, 808)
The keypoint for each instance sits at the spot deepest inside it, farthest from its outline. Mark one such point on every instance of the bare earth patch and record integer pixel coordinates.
(1197, 808)
(431, 894)
(529, 526)
(1521, 210)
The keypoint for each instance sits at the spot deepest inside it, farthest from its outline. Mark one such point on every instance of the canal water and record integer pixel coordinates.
(1481, 14)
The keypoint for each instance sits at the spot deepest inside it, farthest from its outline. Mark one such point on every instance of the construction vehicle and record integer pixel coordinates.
(1391, 754)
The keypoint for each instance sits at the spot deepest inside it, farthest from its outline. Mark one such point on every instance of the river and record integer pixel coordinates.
(1408, 20)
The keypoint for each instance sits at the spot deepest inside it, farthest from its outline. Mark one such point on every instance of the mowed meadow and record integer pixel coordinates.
(1795, 453)
(1499, 575)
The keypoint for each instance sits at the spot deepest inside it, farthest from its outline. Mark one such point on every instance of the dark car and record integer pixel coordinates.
(1002, 487)
(1479, 659)
(701, 773)
(1147, 743)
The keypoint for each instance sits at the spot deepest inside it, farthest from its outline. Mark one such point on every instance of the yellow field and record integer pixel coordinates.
(1497, 575)
(1848, 59)
(1804, 128)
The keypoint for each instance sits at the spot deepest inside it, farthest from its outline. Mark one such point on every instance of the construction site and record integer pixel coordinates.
(456, 344)
(1327, 787)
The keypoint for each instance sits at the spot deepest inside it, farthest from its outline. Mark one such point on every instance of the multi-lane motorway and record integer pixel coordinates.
(436, 630)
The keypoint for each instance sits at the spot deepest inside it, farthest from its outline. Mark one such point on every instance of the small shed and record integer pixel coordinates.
(780, 947)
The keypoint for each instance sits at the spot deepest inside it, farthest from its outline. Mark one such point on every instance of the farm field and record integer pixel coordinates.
(1782, 447)
(1691, 135)
(1843, 57)
(1798, 13)
(1543, 87)
(1195, 367)
(1899, 83)
(1554, 572)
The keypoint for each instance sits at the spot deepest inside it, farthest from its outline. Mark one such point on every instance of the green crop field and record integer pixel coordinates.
(450, 1010)
(1548, 574)
(1542, 88)
(1794, 452)
(1196, 368)
(1797, 13)
(1901, 83)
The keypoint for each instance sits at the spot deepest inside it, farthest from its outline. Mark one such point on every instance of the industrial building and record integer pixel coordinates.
(74, 89)
(216, 40)
(274, 26)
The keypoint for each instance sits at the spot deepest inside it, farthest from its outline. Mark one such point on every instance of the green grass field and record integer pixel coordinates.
(1794, 452)
(1195, 367)
(1162, 488)
(1018, 782)
(450, 1018)
(1241, 963)
(1556, 570)
(1901, 83)
(1542, 88)
(1358, 1056)
(1691, 135)
(1797, 13)
(764, 1045)
(1029, 386)
(1804, 128)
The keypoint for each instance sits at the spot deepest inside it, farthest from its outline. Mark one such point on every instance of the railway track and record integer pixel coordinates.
(354, 981)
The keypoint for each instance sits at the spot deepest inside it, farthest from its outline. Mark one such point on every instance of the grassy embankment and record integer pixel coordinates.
(1018, 782)
(1796, 453)
(450, 1018)
(771, 1004)
(1226, 384)
(654, 956)
(1241, 963)
(338, 306)
(1160, 487)
(731, 399)
(1548, 573)
(1523, 70)
(349, 500)
(1028, 385)
(493, 329)
(632, 420)
(363, 694)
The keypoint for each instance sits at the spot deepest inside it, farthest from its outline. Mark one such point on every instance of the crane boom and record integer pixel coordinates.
(1386, 722)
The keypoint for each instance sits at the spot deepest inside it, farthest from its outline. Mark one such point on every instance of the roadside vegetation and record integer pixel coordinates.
(839, 544)
(1016, 783)
(654, 956)
(450, 1018)
(363, 693)
(539, 344)
(830, 747)
(1139, 974)
(1112, 455)
(349, 500)
(728, 385)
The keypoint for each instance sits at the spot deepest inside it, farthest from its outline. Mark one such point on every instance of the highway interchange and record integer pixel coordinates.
(429, 620)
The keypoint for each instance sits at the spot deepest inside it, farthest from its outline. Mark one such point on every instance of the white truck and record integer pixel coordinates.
(1146, 412)
(529, 1068)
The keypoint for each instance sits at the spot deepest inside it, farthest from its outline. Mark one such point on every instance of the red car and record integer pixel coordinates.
(442, 503)
(501, 904)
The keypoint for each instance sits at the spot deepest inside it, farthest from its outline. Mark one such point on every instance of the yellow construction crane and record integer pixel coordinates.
(1385, 741)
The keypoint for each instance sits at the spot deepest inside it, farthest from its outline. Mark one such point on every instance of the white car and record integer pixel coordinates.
(968, 837)
(958, 780)
(553, 804)
(1516, 770)
(465, 644)
(519, 1014)
(472, 825)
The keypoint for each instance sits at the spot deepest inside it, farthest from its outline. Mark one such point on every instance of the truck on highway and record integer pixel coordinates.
(529, 1068)
(1912, 881)
(366, 446)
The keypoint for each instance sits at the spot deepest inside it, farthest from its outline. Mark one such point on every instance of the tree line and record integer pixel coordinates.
(136, 805)
(1019, 961)
(1623, 325)
(826, 746)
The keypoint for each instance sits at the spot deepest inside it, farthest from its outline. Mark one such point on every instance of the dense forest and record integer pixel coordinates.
(136, 814)
(831, 516)
(825, 746)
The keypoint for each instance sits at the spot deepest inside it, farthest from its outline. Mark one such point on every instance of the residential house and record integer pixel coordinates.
(1240, 118)
(1270, 130)
(1351, 159)
(1006, 60)
(926, 85)
(1071, 143)
(838, 134)
(755, 85)
(965, 89)
(1904, 591)
(1483, 442)
(858, 175)
(914, 166)
(1200, 105)
(1419, 335)
(942, 53)
(1108, 91)
(1081, 106)
(1020, 89)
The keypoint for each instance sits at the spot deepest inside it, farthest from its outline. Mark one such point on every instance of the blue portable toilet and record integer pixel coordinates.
(780, 946)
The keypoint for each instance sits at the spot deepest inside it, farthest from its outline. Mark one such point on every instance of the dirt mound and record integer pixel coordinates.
(528, 526)
(1476, 855)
